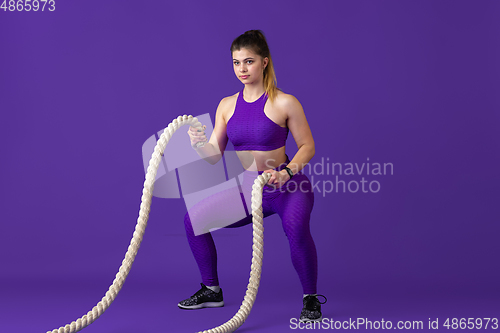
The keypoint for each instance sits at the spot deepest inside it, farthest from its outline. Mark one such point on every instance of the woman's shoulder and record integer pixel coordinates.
(231, 98)
(229, 101)
(226, 104)
(285, 101)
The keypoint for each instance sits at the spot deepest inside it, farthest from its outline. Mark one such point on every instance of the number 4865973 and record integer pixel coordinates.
(28, 5)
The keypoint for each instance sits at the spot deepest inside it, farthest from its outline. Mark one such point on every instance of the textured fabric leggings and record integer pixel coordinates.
(293, 203)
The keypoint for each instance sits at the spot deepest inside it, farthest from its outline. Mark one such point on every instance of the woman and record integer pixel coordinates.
(257, 121)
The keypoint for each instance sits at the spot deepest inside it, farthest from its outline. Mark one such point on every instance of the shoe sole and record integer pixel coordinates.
(310, 320)
(202, 305)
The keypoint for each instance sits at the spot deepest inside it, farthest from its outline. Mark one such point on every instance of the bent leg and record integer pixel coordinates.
(294, 206)
(204, 252)
(202, 245)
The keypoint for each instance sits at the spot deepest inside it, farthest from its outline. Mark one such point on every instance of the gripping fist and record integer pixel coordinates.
(197, 135)
(278, 178)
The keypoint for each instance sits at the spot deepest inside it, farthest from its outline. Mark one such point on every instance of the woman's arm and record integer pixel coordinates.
(213, 150)
(299, 127)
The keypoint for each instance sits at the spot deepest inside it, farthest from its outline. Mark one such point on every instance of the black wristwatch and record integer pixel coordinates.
(290, 173)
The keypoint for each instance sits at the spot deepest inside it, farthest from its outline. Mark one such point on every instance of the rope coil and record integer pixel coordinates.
(257, 254)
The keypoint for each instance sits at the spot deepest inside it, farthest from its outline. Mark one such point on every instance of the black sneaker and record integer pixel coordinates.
(312, 309)
(203, 298)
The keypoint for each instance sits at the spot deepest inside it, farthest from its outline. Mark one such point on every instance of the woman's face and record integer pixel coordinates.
(248, 66)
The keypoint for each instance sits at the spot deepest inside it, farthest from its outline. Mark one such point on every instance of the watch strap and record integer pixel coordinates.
(290, 173)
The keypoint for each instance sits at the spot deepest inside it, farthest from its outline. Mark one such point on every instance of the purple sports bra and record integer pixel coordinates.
(250, 129)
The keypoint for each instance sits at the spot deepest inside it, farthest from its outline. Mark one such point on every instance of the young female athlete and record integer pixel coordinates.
(257, 121)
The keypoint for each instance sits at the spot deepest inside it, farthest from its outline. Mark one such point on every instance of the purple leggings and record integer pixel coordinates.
(293, 202)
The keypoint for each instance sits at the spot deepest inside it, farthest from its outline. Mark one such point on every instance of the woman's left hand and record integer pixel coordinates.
(278, 178)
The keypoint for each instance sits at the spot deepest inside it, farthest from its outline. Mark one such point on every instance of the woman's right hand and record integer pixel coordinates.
(197, 135)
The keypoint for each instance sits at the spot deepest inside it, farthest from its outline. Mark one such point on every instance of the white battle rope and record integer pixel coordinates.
(147, 193)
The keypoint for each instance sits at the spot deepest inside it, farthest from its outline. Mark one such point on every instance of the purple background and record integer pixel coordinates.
(413, 83)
